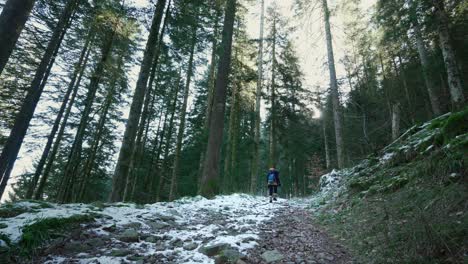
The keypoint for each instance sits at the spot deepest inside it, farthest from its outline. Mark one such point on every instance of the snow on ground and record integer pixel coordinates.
(196, 222)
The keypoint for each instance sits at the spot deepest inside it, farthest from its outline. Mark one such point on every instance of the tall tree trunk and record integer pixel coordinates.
(69, 176)
(400, 72)
(453, 71)
(325, 139)
(162, 174)
(45, 153)
(210, 181)
(183, 113)
(272, 154)
(120, 177)
(149, 181)
(210, 88)
(14, 15)
(424, 59)
(334, 89)
(258, 95)
(51, 157)
(24, 116)
(396, 116)
(143, 125)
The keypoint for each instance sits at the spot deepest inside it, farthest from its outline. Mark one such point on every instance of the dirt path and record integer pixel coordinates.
(293, 235)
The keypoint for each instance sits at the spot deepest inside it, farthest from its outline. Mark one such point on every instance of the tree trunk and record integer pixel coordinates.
(123, 163)
(14, 15)
(210, 181)
(424, 59)
(272, 154)
(69, 176)
(45, 153)
(334, 89)
(58, 139)
(210, 88)
(396, 121)
(183, 113)
(137, 154)
(162, 174)
(325, 140)
(453, 71)
(258, 95)
(24, 116)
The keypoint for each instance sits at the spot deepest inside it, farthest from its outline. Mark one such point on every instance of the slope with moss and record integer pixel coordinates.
(407, 205)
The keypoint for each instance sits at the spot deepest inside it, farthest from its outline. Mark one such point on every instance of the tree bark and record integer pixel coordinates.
(162, 174)
(210, 88)
(396, 116)
(14, 15)
(334, 89)
(210, 179)
(123, 163)
(258, 95)
(272, 154)
(424, 59)
(453, 70)
(183, 113)
(45, 153)
(135, 161)
(24, 116)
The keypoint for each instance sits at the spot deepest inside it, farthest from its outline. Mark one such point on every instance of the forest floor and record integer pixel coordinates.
(234, 228)
(297, 240)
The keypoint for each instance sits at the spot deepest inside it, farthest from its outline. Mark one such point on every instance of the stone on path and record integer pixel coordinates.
(272, 256)
(129, 235)
(190, 246)
(213, 250)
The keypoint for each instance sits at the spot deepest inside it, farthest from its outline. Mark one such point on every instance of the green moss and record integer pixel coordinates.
(35, 234)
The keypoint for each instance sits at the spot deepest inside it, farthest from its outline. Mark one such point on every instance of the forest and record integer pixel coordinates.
(146, 101)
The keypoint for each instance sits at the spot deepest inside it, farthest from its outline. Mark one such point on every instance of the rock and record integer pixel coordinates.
(3, 246)
(120, 252)
(213, 250)
(151, 239)
(167, 218)
(97, 242)
(177, 242)
(190, 246)
(174, 212)
(129, 235)
(272, 256)
(76, 247)
(240, 261)
(232, 255)
(110, 229)
(134, 225)
(157, 225)
(221, 260)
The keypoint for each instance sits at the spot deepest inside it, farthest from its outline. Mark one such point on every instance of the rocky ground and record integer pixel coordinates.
(290, 237)
(228, 229)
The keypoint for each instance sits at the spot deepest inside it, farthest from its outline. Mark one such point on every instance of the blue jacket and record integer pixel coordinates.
(277, 179)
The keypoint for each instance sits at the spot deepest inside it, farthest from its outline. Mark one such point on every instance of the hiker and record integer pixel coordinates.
(273, 181)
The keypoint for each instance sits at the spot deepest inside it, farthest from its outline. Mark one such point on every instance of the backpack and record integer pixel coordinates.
(271, 178)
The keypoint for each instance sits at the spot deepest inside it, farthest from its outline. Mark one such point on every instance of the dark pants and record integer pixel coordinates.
(273, 189)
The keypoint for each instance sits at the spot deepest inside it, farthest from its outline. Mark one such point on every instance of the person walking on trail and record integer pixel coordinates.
(273, 182)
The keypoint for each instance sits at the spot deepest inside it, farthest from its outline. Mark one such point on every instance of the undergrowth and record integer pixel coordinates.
(412, 210)
(35, 235)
